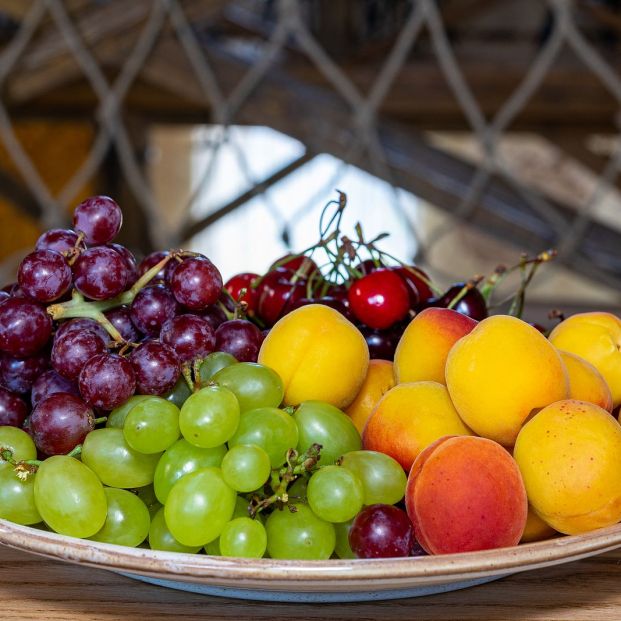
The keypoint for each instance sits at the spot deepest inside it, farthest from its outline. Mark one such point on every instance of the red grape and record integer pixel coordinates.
(151, 260)
(4, 296)
(19, 374)
(13, 410)
(49, 383)
(152, 307)
(156, 366)
(130, 263)
(102, 373)
(82, 323)
(60, 422)
(61, 240)
(190, 336)
(72, 350)
(99, 218)
(121, 319)
(379, 299)
(100, 273)
(25, 327)
(214, 315)
(381, 531)
(240, 338)
(44, 275)
(196, 283)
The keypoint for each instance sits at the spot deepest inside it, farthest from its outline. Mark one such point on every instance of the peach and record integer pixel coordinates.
(378, 381)
(596, 337)
(536, 529)
(570, 458)
(425, 344)
(410, 417)
(464, 494)
(319, 355)
(502, 372)
(586, 382)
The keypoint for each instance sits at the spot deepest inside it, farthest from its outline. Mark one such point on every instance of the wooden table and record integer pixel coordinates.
(38, 589)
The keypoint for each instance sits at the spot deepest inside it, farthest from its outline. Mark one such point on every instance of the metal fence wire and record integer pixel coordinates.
(520, 212)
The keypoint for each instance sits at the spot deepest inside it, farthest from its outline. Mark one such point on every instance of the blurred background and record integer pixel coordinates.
(470, 130)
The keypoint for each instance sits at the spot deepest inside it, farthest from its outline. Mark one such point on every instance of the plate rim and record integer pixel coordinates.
(329, 575)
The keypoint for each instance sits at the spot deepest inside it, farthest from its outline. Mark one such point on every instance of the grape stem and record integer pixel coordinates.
(79, 307)
(23, 469)
(296, 466)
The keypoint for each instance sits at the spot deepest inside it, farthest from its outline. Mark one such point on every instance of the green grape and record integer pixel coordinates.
(335, 494)
(127, 521)
(209, 417)
(383, 478)
(198, 506)
(147, 495)
(300, 535)
(322, 423)
(243, 537)
(152, 425)
(342, 549)
(17, 502)
(297, 490)
(254, 385)
(18, 442)
(271, 429)
(241, 508)
(69, 496)
(246, 467)
(213, 363)
(181, 459)
(179, 393)
(117, 417)
(213, 547)
(160, 538)
(106, 453)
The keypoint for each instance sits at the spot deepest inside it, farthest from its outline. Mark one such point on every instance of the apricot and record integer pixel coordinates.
(410, 417)
(500, 373)
(378, 381)
(422, 350)
(319, 355)
(464, 494)
(536, 529)
(570, 458)
(596, 337)
(586, 382)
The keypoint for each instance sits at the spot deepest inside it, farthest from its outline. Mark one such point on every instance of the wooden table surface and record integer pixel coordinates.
(38, 589)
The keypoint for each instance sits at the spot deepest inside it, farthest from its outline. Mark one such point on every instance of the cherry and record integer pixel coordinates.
(335, 303)
(382, 343)
(379, 299)
(276, 294)
(243, 281)
(415, 278)
(472, 304)
(367, 266)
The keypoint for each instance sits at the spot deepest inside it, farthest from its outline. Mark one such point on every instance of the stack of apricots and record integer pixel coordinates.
(507, 436)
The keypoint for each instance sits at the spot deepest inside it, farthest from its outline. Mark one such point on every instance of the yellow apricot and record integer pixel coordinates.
(586, 382)
(569, 455)
(379, 380)
(499, 373)
(596, 337)
(409, 418)
(536, 529)
(318, 354)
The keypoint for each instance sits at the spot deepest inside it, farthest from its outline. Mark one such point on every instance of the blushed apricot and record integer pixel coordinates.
(586, 382)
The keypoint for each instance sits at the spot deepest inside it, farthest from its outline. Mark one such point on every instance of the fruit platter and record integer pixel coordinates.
(336, 429)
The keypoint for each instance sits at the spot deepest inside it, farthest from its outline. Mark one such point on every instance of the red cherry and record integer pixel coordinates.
(243, 281)
(367, 266)
(472, 304)
(379, 299)
(301, 264)
(416, 278)
(276, 294)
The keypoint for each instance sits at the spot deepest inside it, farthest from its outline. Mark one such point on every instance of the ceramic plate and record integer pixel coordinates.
(311, 581)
